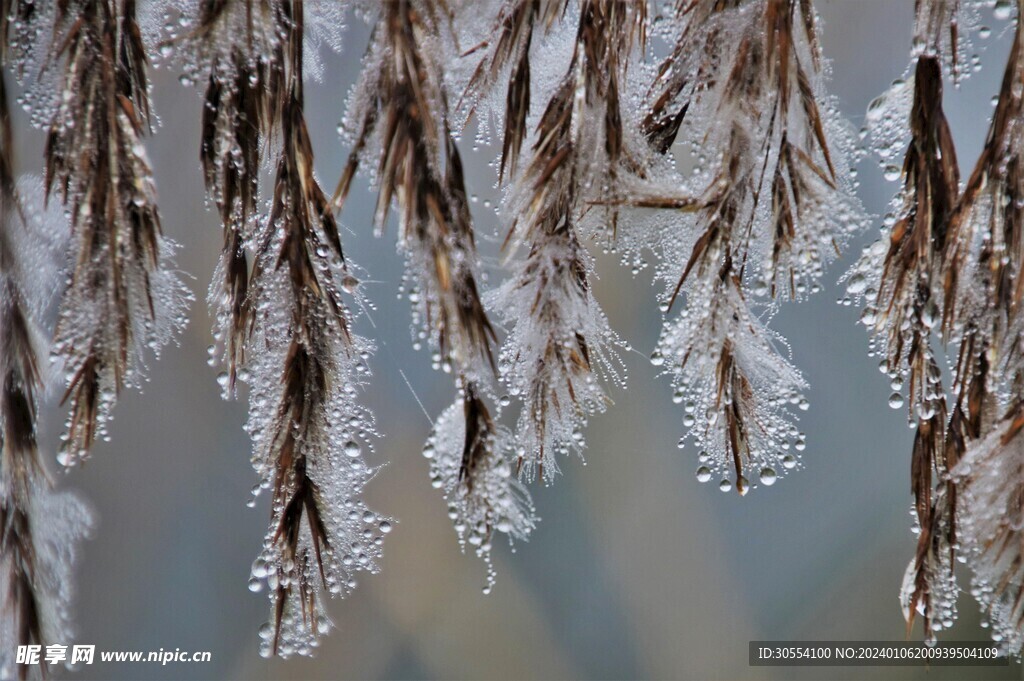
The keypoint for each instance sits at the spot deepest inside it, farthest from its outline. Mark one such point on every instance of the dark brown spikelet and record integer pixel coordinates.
(295, 493)
(991, 482)
(769, 213)
(34, 529)
(688, 70)
(405, 104)
(509, 48)
(609, 32)
(982, 291)
(241, 101)
(910, 280)
(479, 434)
(777, 141)
(470, 461)
(121, 298)
(560, 345)
(21, 600)
(19, 459)
(419, 168)
(745, 66)
(908, 304)
(554, 275)
(300, 210)
(982, 314)
(402, 104)
(306, 365)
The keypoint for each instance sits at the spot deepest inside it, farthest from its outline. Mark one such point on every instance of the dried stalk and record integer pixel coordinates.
(306, 366)
(982, 312)
(743, 80)
(402, 111)
(985, 247)
(908, 305)
(123, 297)
(901, 279)
(20, 468)
(470, 460)
(38, 527)
(235, 42)
(560, 345)
(509, 48)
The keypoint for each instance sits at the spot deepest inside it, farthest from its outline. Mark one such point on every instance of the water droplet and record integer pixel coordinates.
(930, 314)
(725, 485)
(858, 282)
(349, 284)
(768, 476)
(896, 400)
(876, 109)
(352, 449)
(65, 458)
(743, 486)
(703, 474)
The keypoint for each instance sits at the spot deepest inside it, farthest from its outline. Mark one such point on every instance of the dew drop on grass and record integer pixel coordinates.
(743, 486)
(858, 282)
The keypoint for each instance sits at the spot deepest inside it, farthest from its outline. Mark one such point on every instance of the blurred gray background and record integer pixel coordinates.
(637, 570)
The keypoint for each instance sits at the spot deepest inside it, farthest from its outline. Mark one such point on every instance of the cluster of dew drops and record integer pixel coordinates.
(768, 476)
(478, 536)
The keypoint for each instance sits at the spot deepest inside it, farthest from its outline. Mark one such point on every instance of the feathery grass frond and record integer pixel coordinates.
(124, 297)
(306, 366)
(982, 314)
(769, 205)
(400, 112)
(560, 346)
(401, 109)
(39, 527)
(234, 43)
